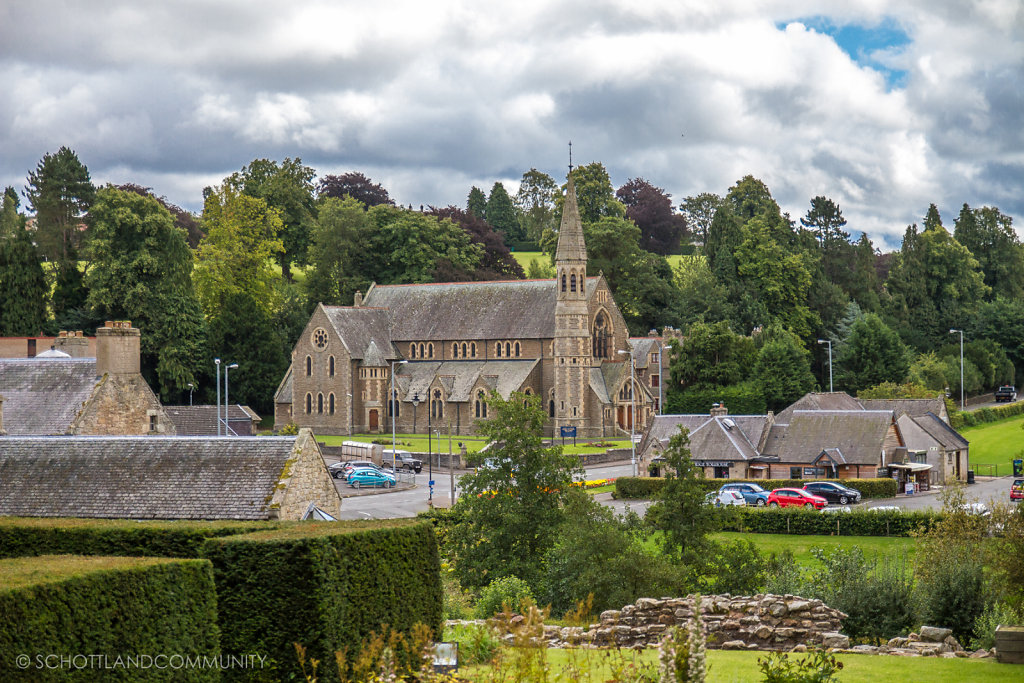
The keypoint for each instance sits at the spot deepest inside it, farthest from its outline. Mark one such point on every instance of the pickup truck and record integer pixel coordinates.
(1006, 393)
(403, 461)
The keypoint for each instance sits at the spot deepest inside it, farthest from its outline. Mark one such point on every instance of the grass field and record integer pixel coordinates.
(800, 546)
(742, 667)
(418, 443)
(524, 258)
(996, 443)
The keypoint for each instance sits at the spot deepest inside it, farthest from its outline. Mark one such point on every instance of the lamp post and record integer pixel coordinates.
(394, 412)
(191, 387)
(216, 362)
(829, 342)
(961, 333)
(632, 410)
(227, 423)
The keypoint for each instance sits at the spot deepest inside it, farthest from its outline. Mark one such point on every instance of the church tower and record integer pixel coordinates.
(572, 333)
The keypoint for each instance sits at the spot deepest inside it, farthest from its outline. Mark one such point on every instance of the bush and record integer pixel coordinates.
(325, 585)
(478, 643)
(959, 420)
(985, 626)
(68, 605)
(794, 520)
(816, 667)
(509, 590)
(638, 487)
(744, 398)
(952, 593)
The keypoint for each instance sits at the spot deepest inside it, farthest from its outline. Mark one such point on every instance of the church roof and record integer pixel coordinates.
(372, 357)
(641, 348)
(357, 327)
(284, 389)
(43, 397)
(505, 309)
(142, 477)
(459, 378)
(571, 246)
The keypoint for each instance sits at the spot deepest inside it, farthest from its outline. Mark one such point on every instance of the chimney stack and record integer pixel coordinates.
(719, 410)
(2, 431)
(72, 343)
(118, 346)
(358, 299)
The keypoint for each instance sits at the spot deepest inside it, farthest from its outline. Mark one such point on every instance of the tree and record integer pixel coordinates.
(356, 185)
(535, 201)
(497, 262)
(932, 220)
(60, 192)
(10, 220)
(699, 212)
(989, 235)
(650, 208)
(287, 188)
(826, 220)
(23, 286)
(333, 278)
(595, 195)
(701, 296)
(873, 354)
(142, 271)
(711, 354)
(1002, 321)
(476, 203)
(783, 367)
(182, 219)
(511, 506)
(501, 213)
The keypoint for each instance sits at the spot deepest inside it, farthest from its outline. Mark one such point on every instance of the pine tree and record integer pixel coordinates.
(23, 287)
(501, 213)
(476, 203)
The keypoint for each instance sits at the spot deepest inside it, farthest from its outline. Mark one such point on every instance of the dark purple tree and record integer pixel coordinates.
(182, 218)
(355, 185)
(498, 262)
(650, 207)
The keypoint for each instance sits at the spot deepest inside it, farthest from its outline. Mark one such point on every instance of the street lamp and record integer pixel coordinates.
(190, 388)
(227, 423)
(415, 402)
(829, 342)
(394, 411)
(217, 363)
(632, 409)
(961, 333)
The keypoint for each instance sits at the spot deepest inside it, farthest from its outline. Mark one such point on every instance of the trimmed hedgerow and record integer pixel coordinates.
(959, 420)
(650, 487)
(795, 520)
(26, 536)
(85, 608)
(324, 585)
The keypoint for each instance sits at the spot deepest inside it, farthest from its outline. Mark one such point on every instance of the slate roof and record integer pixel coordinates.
(642, 348)
(937, 428)
(504, 309)
(284, 389)
(357, 327)
(859, 434)
(44, 396)
(598, 384)
(460, 377)
(726, 437)
(202, 420)
(915, 407)
(838, 400)
(142, 477)
(372, 357)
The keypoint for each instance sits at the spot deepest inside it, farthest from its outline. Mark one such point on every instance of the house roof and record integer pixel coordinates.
(460, 377)
(358, 327)
(915, 407)
(44, 396)
(858, 434)
(202, 420)
(510, 309)
(284, 389)
(142, 477)
(837, 400)
(725, 437)
(939, 430)
(642, 347)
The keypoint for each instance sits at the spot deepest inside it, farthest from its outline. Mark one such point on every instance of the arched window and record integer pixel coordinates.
(572, 282)
(517, 349)
(436, 405)
(412, 350)
(330, 366)
(394, 405)
(319, 404)
(563, 282)
(309, 366)
(431, 351)
(508, 350)
(472, 349)
(481, 402)
(309, 403)
(601, 336)
(455, 350)
(465, 350)
(497, 350)
(526, 401)
(551, 408)
(330, 404)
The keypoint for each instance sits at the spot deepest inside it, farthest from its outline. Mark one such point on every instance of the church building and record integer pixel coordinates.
(450, 344)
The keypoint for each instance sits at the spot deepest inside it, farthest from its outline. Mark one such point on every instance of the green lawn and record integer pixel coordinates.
(996, 443)
(418, 443)
(524, 258)
(741, 667)
(801, 546)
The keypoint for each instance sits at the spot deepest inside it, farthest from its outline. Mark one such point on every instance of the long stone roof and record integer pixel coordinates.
(722, 437)
(460, 377)
(143, 477)
(44, 396)
(503, 309)
(358, 327)
(858, 434)
(201, 420)
(837, 400)
(915, 407)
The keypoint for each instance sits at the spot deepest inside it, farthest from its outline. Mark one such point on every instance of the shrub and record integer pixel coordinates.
(952, 593)
(325, 585)
(69, 605)
(638, 487)
(508, 590)
(985, 626)
(794, 520)
(478, 643)
(816, 667)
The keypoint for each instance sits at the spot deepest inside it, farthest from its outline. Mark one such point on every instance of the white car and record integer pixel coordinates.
(727, 497)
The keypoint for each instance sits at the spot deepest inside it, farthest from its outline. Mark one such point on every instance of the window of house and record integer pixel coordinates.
(431, 350)
(508, 350)
(319, 404)
(655, 380)
(796, 473)
(309, 366)
(394, 405)
(481, 404)
(152, 423)
(497, 350)
(601, 336)
(654, 358)
(412, 350)
(330, 404)
(721, 473)
(455, 350)
(465, 350)
(330, 366)
(309, 403)
(551, 408)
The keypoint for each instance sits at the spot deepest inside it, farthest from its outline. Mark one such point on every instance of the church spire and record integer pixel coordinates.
(571, 246)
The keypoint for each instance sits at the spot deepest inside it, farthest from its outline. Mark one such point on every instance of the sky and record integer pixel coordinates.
(884, 106)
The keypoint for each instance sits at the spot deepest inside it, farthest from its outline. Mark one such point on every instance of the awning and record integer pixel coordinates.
(912, 466)
(757, 467)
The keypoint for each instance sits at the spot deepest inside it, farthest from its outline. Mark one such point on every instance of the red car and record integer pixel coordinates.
(1017, 489)
(795, 497)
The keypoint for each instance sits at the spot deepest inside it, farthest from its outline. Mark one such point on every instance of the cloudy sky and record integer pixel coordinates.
(884, 106)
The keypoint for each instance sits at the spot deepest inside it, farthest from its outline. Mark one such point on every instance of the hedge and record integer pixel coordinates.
(107, 607)
(650, 487)
(325, 585)
(741, 399)
(812, 522)
(958, 420)
(25, 536)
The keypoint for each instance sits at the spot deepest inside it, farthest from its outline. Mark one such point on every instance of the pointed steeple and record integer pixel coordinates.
(571, 246)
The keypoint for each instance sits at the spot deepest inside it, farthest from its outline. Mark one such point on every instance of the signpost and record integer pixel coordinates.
(568, 432)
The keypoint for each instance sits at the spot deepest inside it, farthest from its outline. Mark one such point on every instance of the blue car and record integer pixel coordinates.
(368, 477)
(752, 493)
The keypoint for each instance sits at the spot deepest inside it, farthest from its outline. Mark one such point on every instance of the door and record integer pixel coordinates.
(374, 421)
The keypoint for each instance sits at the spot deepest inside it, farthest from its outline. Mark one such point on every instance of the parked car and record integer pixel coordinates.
(358, 464)
(833, 492)
(370, 477)
(752, 493)
(1017, 490)
(724, 497)
(795, 498)
(841, 508)
(886, 508)
(1007, 393)
(403, 461)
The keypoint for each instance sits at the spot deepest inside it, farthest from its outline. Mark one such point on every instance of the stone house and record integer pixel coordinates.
(55, 393)
(451, 344)
(202, 420)
(157, 477)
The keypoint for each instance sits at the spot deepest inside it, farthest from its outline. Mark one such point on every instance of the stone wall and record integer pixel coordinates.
(304, 481)
(122, 405)
(758, 622)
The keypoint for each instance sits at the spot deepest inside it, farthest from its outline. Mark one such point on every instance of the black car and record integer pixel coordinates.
(833, 492)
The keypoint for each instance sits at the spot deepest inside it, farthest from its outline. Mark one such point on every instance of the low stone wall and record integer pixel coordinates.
(758, 622)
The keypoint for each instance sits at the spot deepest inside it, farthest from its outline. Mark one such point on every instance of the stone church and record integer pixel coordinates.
(451, 344)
